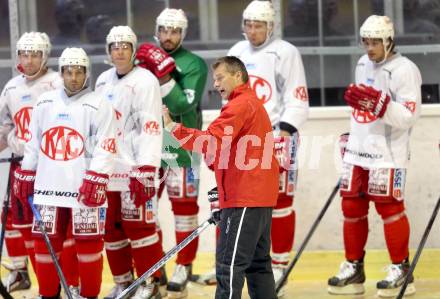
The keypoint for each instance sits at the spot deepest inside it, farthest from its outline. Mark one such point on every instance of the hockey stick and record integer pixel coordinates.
(3, 290)
(419, 250)
(307, 238)
(11, 159)
(166, 258)
(49, 247)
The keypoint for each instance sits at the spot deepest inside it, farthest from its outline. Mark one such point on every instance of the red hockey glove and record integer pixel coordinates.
(343, 140)
(24, 184)
(92, 192)
(142, 185)
(215, 205)
(155, 60)
(366, 98)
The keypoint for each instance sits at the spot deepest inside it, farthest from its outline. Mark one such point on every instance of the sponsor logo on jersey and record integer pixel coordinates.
(109, 145)
(110, 97)
(190, 95)
(85, 222)
(363, 117)
(152, 127)
(22, 119)
(122, 175)
(63, 116)
(261, 87)
(169, 156)
(62, 143)
(399, 183)
(26, 98)
(301, 93)
(191, 183)
(56, 193)
(250, 66)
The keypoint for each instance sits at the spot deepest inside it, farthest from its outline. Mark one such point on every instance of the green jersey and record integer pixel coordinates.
(183, 102)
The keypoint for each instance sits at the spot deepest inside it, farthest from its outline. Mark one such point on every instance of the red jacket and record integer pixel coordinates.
(240, 143)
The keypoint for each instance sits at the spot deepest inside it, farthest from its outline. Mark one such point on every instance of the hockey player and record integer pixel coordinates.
(16, 102)
(386, 101)
(182, 88)
(134, 93)
(276, 74)
(65, 166)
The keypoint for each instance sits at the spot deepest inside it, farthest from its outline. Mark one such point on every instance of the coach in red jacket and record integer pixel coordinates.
(239, 143)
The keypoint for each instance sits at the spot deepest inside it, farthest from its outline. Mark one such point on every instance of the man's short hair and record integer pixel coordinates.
(232, 65)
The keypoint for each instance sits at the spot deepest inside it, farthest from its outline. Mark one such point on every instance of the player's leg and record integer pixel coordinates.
(55, 221)
(182, 187)
(351, 276)
(117, 246)
(140, 226)
(87, 228)
(389, 204)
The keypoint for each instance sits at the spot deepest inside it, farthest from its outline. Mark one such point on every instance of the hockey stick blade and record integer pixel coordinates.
(166, 258)
(307, 238)
(419, 250)
(49, 247)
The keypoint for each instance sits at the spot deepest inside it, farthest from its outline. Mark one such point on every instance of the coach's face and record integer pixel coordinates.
(224, 81)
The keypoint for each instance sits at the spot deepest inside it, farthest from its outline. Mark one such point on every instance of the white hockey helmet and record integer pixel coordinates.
(35, 41)
(172, 17)
(120, 34)
(260, 11)
(74, 57)
(380, 27)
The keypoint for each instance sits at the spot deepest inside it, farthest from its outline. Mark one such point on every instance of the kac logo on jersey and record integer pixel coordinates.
(301, 93)
(363, 117)
(109, 145)
(62, 143)
(261, 87)
(26, 98)
(22, 119)
(152, 127)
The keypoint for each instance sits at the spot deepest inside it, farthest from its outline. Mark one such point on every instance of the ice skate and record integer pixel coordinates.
(390, 286)
(177, 284)
(349, 281)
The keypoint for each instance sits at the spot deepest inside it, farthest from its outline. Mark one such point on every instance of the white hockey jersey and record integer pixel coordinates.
(276, 74)
(384, 142)
(137, 102)
(69, 135)
(16, 101)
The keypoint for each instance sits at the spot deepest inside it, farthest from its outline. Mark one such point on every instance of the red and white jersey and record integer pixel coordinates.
(276, 74)
(69, 135)
(16, 101)
(137, 102)
(384, 142)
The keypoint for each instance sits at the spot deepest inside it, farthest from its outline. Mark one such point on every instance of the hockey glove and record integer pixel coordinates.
(215, 205)
(343, 140)
(142, 185)
(366, 98)
(92, 192)
(155, 60)
(24, 184)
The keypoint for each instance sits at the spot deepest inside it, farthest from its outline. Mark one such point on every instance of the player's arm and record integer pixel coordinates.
(96, 177)
(104, 152)
(183, 97)
(6, 124)
(291, 78)
(232, 118)
(400, 108)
